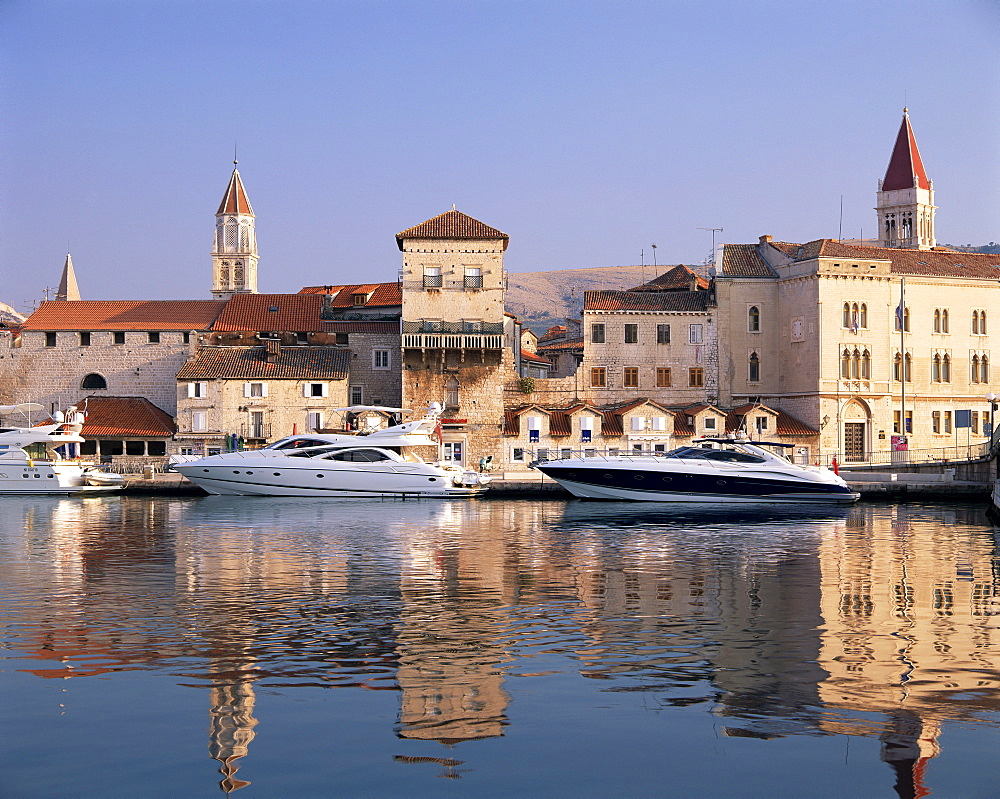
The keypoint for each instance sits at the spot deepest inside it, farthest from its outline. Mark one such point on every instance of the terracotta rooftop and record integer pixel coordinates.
(905, 167)
(743, 260)
(570, 344)
(293, 363)
(271, 313)
(125, 315)
(786, 424)
(452, 225)
(530, 356)
(557, 331)
(125, 417)
(379, 294)
(645, 301)
(235, 201)
(679, 278)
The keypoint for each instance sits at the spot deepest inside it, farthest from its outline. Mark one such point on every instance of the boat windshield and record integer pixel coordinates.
(297, 443)
(726, 455)
(359, 456)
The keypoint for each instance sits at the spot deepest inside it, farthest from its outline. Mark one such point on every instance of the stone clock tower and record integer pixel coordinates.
(234, 254)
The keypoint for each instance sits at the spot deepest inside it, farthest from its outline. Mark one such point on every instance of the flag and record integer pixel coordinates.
(439, 432)
(899, 317)
(854, 322)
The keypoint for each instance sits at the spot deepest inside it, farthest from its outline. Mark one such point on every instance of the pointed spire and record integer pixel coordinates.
(68, 289)
(235, 201)
(906, 170)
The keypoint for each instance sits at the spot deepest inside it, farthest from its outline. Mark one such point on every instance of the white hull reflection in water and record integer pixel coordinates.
(525, 648)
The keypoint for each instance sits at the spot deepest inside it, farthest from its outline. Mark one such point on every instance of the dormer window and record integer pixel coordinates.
(359, 298)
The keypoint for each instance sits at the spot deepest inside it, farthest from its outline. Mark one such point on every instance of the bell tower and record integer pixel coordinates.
(234, 252)
(905, 204)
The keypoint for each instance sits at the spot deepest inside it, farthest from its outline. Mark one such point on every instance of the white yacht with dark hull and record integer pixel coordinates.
(377, 464)
(710, 471)
(33, 460)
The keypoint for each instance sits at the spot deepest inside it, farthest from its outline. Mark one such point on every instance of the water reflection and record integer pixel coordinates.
(874, 621)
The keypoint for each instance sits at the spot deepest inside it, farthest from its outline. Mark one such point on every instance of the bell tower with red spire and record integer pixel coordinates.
(905, 196)
(234, 254)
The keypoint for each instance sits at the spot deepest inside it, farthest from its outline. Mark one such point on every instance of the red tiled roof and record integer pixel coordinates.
(235, 201)
(645, 301)
(252, 312)
(452, 225)
(743, 260)
(343, 296)
(785, 424)
(905, 163)
(559, 423)
(679, 278)
(572, 344)
(557, 331)
(294, 363)
(530, 356)
(125, 417)
(125, 315)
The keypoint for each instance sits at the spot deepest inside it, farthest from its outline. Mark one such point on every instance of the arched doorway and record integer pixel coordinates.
(856, 420)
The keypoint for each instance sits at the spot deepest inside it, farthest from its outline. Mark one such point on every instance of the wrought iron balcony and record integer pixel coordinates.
(453, 335)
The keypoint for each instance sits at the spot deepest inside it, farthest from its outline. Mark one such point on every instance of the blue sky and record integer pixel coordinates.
(586, 131)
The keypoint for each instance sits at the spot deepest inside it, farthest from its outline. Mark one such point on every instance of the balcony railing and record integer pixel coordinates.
(432, 281)
(452, 341)
(495, 328)
(262, 430)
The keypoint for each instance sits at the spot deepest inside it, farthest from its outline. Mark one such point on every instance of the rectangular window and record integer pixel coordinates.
(342, 339)
(357, 395)
(380, 359)
(119, 336)
(565, 452)
(696, 377)
(255, 389)
(909, 421)
(432, 277)
(586, 435)
(156, 448)
(314, 390)
(761, 424)
(50, 339)
(186, 338)
(301, 337)
(974, 422)
(694, 334)
(473, 277)
(631, 334)
(947, 421)
(517, 455)
(135, 448)
(314, 421)
(542, 454)
(663, 334)
(199, 422)
(660, 424)
(84, 338)
(710, 422)
(154, 336)
(597, 334)
(638, 423)
(631, 377)
(936, 422)
(662, 377)
(197, 390)
(896, 418)
(598, 377)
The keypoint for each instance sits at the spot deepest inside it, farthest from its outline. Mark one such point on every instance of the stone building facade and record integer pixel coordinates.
(455, 348)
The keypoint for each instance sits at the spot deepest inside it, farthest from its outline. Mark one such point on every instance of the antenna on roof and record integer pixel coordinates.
(235, 162)
(714, 231)
(840, 230)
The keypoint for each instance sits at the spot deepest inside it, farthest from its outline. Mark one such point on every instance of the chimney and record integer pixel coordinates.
(766, 239)
(273, 347)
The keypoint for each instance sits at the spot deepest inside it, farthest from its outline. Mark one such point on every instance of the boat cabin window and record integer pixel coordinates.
(360, 456)
(728, 455)
(298, 443)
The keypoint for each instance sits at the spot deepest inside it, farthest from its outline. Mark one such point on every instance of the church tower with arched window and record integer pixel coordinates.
(905, 204)
(234, 252)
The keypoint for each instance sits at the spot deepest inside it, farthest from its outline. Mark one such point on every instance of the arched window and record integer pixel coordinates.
(93, 381)
(897, 368)
(984, 370)
(754, 371)
(864, 315)
(451, 392)
(982, 323)
(936, 369)
(753, 319)
(855, 364)
(845, 364)
(975, 323)
(866, 365)
(847, 315)
(944, 320)
(907, 363)
(975, 369)
(937, 320)
(905, 319)
(946, 369)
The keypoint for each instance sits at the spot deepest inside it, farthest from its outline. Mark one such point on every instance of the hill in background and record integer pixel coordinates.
(543, 299)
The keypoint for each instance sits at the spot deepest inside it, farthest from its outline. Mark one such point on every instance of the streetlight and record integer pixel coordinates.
(992, 398)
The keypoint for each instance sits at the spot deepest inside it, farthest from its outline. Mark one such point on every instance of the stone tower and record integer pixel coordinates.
(905, 196)
(68, 289)
(234, 254)
(453, 342)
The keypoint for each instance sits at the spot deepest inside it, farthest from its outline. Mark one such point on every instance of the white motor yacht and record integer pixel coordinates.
(35, 460)
(379, 463)
(711, 471)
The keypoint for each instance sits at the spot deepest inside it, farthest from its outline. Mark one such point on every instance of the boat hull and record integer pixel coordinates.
(282, 480)
(657, 485)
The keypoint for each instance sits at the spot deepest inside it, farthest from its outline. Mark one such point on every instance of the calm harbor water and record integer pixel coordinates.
(272, 647)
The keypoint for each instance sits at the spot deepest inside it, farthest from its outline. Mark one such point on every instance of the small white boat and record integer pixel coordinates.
(710, 471)
(31, 461)
(376, 464)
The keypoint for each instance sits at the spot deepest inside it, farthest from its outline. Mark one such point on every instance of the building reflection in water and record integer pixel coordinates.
(879, 622)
